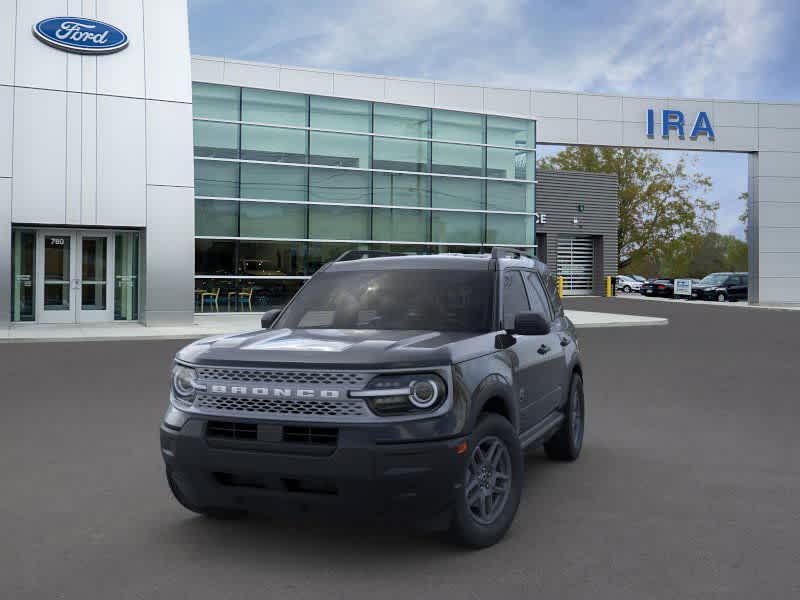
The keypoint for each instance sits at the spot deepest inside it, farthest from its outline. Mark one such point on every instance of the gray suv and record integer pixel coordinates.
(399, 386)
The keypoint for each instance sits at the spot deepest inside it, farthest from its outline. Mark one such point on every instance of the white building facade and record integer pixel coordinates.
(98, 160)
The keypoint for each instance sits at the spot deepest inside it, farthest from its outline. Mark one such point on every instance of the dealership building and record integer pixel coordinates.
(139, 183)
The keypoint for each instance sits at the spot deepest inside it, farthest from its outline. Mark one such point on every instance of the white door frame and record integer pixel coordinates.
(93, 316)
(75, 313)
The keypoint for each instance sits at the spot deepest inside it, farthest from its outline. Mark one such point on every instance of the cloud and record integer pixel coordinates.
(686, 47)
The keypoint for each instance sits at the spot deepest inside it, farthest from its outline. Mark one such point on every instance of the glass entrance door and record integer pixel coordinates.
(73, 274)
(94, 300)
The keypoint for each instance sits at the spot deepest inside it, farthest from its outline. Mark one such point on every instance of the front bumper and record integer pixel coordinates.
(358, 475)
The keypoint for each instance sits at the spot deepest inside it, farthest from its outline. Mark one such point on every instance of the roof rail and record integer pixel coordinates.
(504, 252)
(356, 254)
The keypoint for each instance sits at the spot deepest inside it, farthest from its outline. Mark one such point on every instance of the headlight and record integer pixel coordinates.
(184, 384)
(403, 394)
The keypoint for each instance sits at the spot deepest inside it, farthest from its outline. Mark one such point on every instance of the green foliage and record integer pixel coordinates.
(661, 204)
(694, 255)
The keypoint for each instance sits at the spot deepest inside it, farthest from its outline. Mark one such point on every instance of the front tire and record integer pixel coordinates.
(721, 297)
(566, 443)
(484, 507)
(627, 289)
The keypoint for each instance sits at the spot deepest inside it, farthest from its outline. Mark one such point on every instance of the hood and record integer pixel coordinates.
(338, 348)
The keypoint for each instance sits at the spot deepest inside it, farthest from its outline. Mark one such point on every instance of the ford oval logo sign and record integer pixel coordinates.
(76, 34)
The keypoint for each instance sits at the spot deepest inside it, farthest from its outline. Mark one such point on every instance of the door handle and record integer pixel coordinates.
(543, 349)
(565, 341)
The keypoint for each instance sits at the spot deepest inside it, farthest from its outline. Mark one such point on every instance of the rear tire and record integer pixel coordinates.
(485, 505)
(225, 514)
(566, 443)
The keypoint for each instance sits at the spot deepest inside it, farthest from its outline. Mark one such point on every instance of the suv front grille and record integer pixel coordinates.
(297, 407)
(232, 430)
(280, 376)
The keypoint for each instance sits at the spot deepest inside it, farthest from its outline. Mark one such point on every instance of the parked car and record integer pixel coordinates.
(663, 288)
(638, 278)
(361, 396)
(721, 287)
(627, 284)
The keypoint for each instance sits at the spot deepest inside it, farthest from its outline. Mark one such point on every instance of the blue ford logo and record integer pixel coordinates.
(76, 34)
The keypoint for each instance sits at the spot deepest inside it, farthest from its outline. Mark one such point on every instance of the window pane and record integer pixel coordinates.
(336, 113)
(339, 222)
(339, 150)
(457, 126)
(23, 259)
(272, 258)
(216, 217)
(214, 257)
(281, 108)
(408, 121)
(273, 144)
(216, 139)
(126, 276)
(273, 182)
(213, 178)
(215, 101)
(457, 227)
(211, 295)
(401, 225)
(509, 164)
(451, 192)
(509, 229)
(320, 253)
(507, 131)
(515, 299)
(502, 195)
(335, 185)
(401, 190)
(269, 293)
(457, 159)
(400, 155)
(261, 219)
(537, 296)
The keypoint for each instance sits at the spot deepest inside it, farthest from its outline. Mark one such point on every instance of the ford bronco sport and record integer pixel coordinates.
(399, 385)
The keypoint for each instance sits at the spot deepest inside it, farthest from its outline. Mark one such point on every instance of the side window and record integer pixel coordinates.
(515, 300)
(537, 295)
(551, 286)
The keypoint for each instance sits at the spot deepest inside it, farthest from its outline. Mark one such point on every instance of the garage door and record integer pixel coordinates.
(576, 264)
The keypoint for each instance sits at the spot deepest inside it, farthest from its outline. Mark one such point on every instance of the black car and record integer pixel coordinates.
(721, 287)
(663, 288)
(405, 386)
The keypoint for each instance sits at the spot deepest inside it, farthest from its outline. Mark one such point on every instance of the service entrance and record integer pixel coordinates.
(575, 262)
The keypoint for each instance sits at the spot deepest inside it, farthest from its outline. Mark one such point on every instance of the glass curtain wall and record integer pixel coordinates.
(285, 182)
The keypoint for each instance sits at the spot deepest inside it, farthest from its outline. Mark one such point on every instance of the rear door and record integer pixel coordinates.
(553, 369)
(526, 354)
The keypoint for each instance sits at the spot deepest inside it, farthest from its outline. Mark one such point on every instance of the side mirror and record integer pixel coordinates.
(268, 318)
(530, 323)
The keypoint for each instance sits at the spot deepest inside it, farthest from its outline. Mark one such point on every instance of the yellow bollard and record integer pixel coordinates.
(608, 286)
(561, 286)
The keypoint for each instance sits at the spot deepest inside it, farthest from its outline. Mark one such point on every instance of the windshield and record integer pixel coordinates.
(714, 279)
(433, 300)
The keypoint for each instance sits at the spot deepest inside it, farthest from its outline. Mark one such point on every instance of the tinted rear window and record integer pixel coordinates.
(434, 300)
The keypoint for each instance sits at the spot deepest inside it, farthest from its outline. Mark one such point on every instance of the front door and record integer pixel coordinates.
(73, 272)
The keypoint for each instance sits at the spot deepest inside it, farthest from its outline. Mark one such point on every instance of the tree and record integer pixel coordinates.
(659, 202)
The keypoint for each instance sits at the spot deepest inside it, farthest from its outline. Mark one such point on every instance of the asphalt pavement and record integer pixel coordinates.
(688, 486)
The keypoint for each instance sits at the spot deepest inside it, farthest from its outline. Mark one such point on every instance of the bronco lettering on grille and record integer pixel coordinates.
(276, 392)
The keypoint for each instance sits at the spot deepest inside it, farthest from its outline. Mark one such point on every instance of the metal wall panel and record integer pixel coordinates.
(40, 117)
(121, 73)
(121, 166)
(169, 255)
(36, 64)
(8, 25)
(6, 128)
(169, 144)
(166, 52)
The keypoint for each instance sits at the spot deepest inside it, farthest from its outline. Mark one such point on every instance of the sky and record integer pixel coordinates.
(733, 49)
